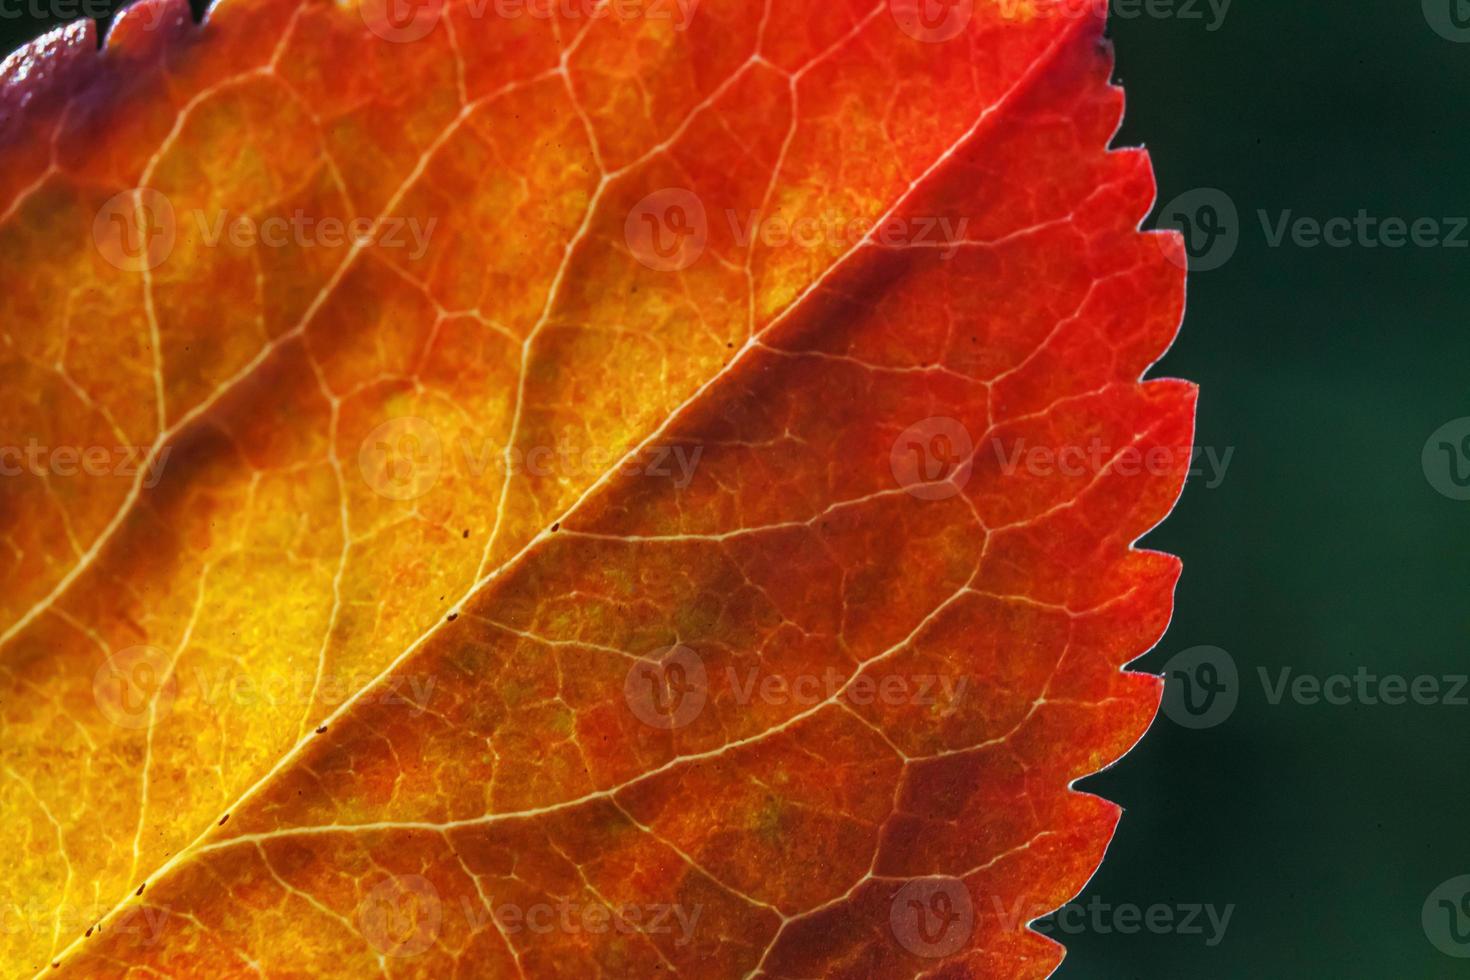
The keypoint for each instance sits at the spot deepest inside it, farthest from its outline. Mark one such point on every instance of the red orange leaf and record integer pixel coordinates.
(573, 489)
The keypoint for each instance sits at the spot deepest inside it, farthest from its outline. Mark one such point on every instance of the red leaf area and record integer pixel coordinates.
(800, 693)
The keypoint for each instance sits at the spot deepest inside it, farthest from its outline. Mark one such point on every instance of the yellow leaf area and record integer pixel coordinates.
(464, 461)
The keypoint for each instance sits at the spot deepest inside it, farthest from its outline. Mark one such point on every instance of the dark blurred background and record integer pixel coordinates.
(1329, 833)
(1326, 547)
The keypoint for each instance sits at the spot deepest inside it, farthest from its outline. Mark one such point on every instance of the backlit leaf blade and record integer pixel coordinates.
(730, 505)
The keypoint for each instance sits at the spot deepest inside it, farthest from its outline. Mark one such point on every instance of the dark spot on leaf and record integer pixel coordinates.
(321, 729)
(223, 819)
(453, 616)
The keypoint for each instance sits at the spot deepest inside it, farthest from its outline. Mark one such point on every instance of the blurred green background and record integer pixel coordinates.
(1325, 548)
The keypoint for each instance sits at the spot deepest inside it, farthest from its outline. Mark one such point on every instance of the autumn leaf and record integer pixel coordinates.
(522, 488)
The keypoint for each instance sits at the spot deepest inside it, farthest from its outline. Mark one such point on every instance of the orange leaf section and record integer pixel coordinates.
(705, 547)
